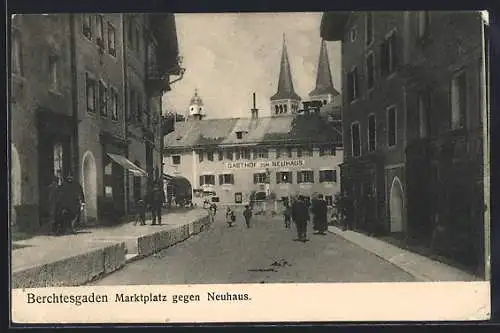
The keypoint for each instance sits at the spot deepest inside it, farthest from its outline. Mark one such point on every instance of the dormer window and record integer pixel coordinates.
(239, 135)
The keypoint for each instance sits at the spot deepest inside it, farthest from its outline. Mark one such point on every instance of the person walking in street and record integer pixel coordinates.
(230, 217)
(247, 214)
(287, 214)
(320, 215)
(300, 216)
(157, 200)
(53, 198)
(314, 212)
(71, 200)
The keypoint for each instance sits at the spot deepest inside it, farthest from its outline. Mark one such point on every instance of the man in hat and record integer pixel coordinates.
(300, 215)
(71, 202)
(157, 200)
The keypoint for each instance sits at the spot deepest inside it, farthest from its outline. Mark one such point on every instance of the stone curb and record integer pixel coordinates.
(90, 266)
(420, 267)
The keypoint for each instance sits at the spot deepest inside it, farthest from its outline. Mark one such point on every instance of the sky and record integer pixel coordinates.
(231, 55)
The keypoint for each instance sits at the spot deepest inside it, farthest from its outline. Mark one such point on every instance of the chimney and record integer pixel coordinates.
(255, 111)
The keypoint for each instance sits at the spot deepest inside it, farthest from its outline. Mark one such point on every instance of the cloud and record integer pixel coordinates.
(229, 56)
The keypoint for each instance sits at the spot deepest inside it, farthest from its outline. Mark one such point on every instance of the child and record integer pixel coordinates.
(247, 214)
(141, 212)
(230, 217)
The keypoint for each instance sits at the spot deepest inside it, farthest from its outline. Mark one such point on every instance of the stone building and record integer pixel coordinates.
(98, 102)
(412, 121)
(294, 151)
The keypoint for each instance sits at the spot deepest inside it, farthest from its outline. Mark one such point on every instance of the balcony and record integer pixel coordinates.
(156, 81)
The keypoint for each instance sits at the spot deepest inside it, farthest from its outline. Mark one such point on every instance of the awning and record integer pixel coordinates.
(127, 164)
(168, 177)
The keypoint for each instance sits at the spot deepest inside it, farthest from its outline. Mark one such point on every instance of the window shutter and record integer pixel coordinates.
(349, 86)
(221, 179)
(255, 178)
(201, 180)
(383, 58)
(232, 179)
(312, 176)
(395, 50)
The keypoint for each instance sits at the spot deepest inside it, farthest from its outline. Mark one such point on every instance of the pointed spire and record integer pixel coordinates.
(324, 83)
(285, 82)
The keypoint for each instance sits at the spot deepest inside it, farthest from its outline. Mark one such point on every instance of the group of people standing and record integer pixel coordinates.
(66, 201)
(300, 212)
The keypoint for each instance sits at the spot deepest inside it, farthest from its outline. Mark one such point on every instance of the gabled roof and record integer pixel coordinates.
(300, 129)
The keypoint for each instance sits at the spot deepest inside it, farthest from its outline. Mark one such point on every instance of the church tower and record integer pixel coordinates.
(196, 108)
(285, 101)
(324, 91)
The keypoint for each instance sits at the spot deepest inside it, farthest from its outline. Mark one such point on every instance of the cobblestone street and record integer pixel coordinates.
(266, 253)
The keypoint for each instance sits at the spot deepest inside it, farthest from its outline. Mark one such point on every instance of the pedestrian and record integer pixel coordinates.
(320, 215)
(247, 214)
(230, 217)
(141, 212)
(300, 216)
(71, 200)
(54, 188)
(157, 200)
(287, 214)
(314, 212)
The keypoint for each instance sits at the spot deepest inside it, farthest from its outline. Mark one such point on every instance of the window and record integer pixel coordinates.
(423, 115)
(114, 104)
(207, 180)
(16, 54)
(422, 23)
(370, 70)
(322, 151)
(305, 176)
(276, 109)
(237, 154)
(221, 156)
(329, 200)
(210, 155)
(58, 158)
(327, 176)
(458, 101)
(284, 177)
(262, 153)
(289, 152)
(87, 25)
(299, 152)
(229, 154)
(111, 40)
(260, 178)
(353, 34)
(200, 156)
(356, 140)
(54, 72)
(239, 135)
(285, 108)
(226, 179)
(391, 124)
(324, 102)
(90, 90)
(100, 30)
(278, 152)
(369, 28)
(103, 105)
(389, 54)
(308, 152)
(371, 133)
(245, 154)
(352, 84)
(176, 159)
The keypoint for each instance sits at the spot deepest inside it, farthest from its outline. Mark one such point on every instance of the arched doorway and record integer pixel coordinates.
(15, 178)
(181, 189)
(89, 184)
(396, 206)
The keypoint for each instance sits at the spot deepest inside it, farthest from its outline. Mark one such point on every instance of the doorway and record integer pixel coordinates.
(89, 184)
(396, 206)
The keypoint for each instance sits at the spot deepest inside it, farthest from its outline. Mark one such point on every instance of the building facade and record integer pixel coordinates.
(235, 160)
(412, 111)
(83, 120)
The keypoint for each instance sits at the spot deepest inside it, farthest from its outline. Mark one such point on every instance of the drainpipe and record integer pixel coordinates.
(125, 107)
(74, 97)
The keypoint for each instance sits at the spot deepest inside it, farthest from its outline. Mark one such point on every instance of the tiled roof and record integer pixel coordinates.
(264, 130)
